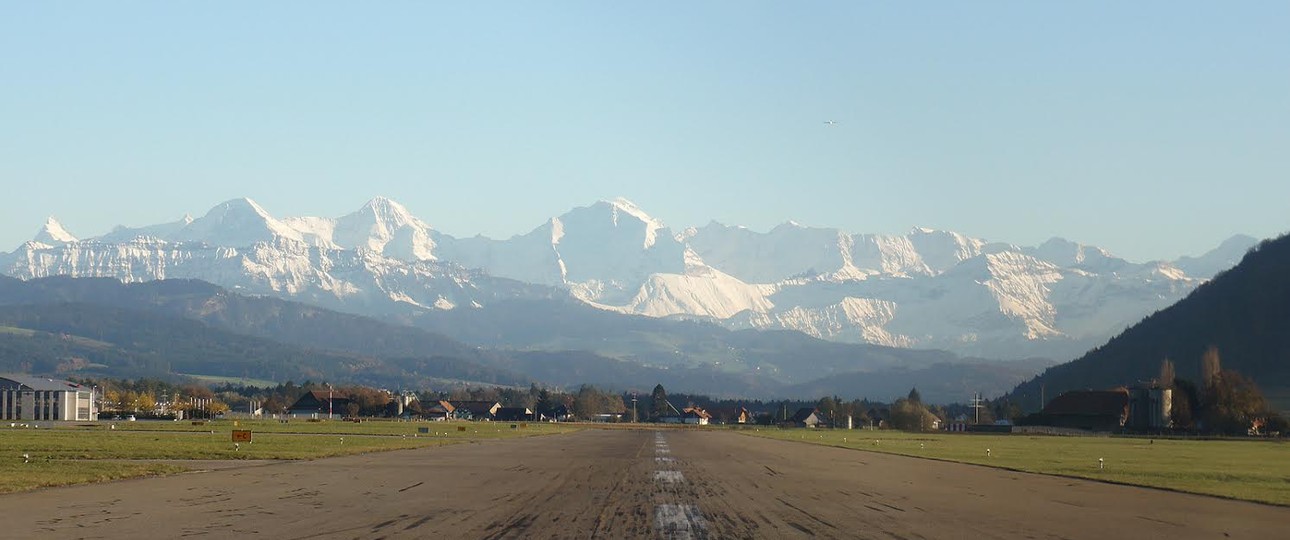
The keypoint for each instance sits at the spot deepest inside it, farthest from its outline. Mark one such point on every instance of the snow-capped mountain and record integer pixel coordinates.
(603, 253)
(924, 289)
(382, 226)
(236, 223)
(52, 233)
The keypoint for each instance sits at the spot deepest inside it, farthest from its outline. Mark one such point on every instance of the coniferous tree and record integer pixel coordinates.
(658, 403)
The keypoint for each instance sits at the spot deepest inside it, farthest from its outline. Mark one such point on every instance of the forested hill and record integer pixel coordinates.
(181, 326)
(1244, 312)
(92, 340)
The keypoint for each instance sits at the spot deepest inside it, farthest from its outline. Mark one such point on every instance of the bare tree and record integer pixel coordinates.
(1210, 367)
(1167, 375)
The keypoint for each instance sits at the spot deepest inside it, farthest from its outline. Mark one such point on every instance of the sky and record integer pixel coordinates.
(1151, 129)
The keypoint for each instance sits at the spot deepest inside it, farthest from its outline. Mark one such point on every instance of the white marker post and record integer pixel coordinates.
(1101, 464)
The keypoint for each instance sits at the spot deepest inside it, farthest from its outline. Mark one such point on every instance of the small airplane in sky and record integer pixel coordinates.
(830, 123)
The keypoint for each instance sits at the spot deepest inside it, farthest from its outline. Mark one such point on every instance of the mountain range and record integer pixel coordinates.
(926, 289)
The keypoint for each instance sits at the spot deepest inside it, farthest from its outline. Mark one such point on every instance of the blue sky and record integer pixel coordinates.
(1153, 129)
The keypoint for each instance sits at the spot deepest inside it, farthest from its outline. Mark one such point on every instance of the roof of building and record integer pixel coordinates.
(1089, 402)
(477, 408)
(315, 399)
(42, 383)
(803, 414)
(695, 412)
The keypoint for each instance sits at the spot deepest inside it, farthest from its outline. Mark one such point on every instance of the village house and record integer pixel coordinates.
(319, 404)
(695, 415)
(439, 411)
(735, 415)
(805, 417)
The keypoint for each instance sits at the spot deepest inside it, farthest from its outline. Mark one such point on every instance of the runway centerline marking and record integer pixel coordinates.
(679, 521)
(671, 477)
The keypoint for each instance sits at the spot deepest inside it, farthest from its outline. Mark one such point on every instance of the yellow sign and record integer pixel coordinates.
(241, 435)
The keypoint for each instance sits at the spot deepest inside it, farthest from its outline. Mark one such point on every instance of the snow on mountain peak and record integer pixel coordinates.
(53, 233)
(1066, 253)
(389, 211)
(926, 288)
(381, 225)
(237, 223)
(625, 206)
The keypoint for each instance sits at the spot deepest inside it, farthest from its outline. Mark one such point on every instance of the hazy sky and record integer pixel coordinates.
(1153, 129)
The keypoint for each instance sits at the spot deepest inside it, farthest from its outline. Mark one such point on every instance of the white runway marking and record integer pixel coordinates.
(671, 477)
(679, 521)
(663, 460)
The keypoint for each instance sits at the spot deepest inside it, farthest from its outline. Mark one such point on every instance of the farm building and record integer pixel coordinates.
(1094, 410)
(559, 413)
(36, 398)
(1150, 408)
(475, 410)
(319, 404)
(735, 415)
(439, 410)
(805, 417)
(513, 414)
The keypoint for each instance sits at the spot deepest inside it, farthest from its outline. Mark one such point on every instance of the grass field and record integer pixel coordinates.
(78, 453)
(1252, 470)
(236, 381)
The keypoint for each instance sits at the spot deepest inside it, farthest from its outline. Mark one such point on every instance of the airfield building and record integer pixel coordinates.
(37, 398)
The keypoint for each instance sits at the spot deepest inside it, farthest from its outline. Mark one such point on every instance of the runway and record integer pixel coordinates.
(676, 483)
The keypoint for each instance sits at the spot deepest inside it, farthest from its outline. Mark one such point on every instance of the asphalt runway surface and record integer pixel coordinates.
(675, 483)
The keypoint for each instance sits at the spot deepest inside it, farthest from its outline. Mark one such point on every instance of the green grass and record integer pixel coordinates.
(77, 453)
(236, 381)
(18, 476)
(1252, 470)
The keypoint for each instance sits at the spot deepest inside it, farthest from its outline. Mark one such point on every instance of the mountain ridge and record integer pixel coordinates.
(912, 290)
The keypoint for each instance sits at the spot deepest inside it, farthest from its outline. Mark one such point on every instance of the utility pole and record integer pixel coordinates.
(634, 419)
(329, 400)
